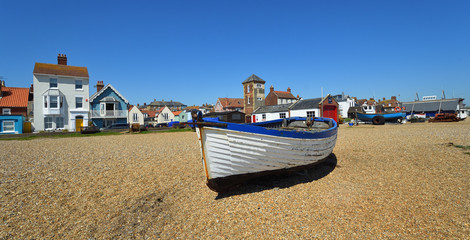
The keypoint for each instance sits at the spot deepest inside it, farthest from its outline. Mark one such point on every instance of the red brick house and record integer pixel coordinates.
(229, 104)
(13, 100)
(279, 97)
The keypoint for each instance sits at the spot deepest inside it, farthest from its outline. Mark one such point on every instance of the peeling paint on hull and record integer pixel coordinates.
(230, 155)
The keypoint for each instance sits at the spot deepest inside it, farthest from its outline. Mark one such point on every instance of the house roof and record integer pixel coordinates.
(150, 113)
(191, 108)
(284, 94)
(307, 104)
(432, 106)
(14, 97)
(96, 94)
(59, 69)
(254, 78)
(177, 113)
(231, 102)
(272, 109)
(166, 103)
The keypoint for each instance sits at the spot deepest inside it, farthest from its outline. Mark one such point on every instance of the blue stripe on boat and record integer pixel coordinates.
(258, 128)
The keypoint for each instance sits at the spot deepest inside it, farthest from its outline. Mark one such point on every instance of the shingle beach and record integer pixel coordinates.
(408, 181)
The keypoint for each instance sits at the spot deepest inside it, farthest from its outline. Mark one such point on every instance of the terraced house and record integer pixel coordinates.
(60, 96)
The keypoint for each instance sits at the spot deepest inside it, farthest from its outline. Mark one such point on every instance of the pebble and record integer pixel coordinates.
(392, 181)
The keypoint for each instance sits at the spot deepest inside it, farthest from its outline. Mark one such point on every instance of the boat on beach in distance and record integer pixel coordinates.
(233, 153)
(381, 118)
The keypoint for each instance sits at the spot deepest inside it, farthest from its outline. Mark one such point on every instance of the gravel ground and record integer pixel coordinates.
(392, 181)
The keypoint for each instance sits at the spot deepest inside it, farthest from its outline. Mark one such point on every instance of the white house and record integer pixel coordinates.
(306, 108)
(344, 102)
(135, 116)
(268, 113)
(60, 96)
(165, 116)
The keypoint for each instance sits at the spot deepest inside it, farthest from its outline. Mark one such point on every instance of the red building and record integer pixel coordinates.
(13, 100)
(279, 97)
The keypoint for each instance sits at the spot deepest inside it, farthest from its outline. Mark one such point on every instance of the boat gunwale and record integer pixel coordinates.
(257, 128)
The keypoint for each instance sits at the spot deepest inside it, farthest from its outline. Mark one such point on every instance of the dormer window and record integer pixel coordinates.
(53, 83)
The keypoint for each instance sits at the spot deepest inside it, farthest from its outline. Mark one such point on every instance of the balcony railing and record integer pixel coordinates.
(109, 114)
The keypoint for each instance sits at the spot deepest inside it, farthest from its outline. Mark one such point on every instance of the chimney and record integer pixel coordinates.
(288, 89)
(394, 98)
(99, 86)
(31, 93)
(62, 59)
(271, 89)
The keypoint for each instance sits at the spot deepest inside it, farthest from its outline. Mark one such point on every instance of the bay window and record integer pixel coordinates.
(59, 122)
(53, 101)
(48, 123)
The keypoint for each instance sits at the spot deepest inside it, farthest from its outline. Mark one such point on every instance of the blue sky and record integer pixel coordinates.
(197, 51)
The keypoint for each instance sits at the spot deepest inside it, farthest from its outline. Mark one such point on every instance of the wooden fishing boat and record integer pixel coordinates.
(381, 118)
(233, 153)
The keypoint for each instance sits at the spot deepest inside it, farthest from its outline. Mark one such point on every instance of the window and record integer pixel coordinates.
(165, 116)
(259, 99)
(311, 114)
(78, 85)
(8, 126)
(78, 102)
(258, 85)
(135, 117)
(59, 122)
(53, 101)
(6, 111)
(264, 116)
(249, 100)
(45, 101)
(248, 89)
(48, 123)
(53, 83)
(282, 115)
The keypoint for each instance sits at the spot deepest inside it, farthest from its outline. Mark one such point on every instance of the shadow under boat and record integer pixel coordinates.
(278, 179)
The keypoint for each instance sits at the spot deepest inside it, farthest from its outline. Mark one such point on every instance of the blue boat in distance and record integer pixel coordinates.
(381, 118)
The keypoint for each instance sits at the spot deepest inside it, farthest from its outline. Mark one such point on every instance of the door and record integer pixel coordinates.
(78, 123)
(330, 112)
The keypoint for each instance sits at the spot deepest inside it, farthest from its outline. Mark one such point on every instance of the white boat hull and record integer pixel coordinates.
(229, 153)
